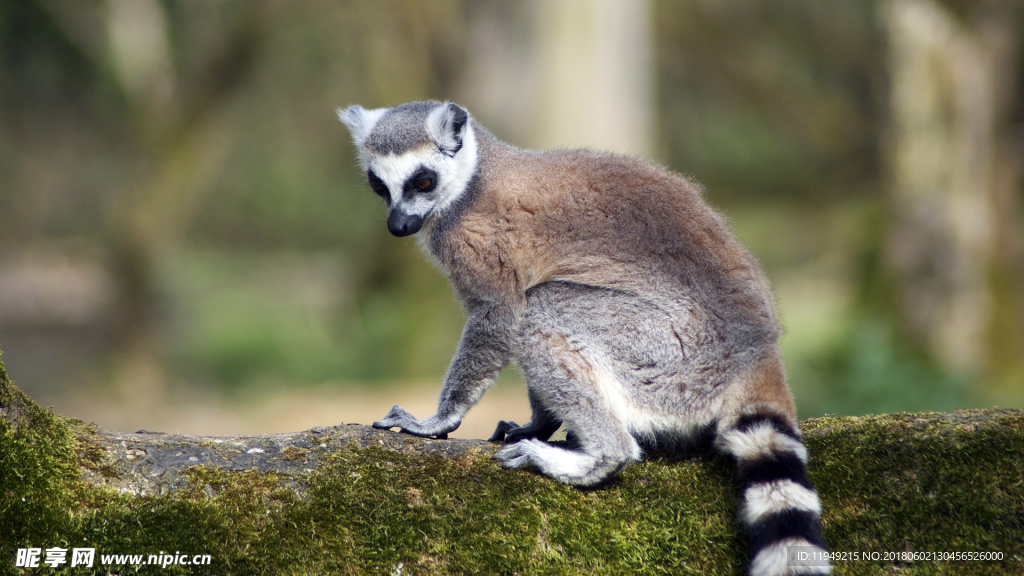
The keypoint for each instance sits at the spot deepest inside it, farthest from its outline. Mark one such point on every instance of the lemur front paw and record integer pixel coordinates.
(434, 426)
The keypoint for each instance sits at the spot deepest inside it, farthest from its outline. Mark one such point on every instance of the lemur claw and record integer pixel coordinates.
(431, 427)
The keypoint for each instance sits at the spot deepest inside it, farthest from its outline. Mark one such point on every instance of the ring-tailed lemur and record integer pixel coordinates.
(633, 312)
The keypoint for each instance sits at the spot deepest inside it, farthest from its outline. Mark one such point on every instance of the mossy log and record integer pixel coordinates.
(353, 500)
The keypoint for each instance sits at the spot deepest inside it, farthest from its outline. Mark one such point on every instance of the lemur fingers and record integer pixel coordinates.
(509, 432)
(502, 430)
(434, 426)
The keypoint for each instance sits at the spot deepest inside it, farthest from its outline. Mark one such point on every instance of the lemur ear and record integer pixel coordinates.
(360, 121)
(447, 125)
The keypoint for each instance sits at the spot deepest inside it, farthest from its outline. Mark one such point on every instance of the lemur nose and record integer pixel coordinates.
(401, 224)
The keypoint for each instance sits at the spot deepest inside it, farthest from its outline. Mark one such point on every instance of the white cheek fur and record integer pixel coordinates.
(453, 174)
(460, 168)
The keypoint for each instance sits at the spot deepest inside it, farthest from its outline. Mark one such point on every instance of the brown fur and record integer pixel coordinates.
(764, 389)
(591, 218)
(563, 215)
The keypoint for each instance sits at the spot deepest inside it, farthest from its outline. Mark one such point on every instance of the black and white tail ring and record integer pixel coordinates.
(780, 507)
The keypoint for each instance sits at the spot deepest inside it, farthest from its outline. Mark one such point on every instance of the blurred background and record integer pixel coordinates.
(186, 243)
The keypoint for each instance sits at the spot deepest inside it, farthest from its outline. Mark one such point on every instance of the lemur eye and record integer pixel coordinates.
(376, 184)
(424, 180)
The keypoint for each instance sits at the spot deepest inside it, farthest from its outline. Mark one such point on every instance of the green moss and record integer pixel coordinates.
(39, 491)
(435, 516)
(889, 483)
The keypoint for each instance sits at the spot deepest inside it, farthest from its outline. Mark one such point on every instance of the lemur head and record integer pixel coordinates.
(419, 157)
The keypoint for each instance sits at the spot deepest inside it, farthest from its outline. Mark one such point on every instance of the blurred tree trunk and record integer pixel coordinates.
(597, 74)
(558, 73)
(140, 60)
(954, 247)
(181, 142)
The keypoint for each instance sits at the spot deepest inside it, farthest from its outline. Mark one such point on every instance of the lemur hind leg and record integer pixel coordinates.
(603, 443)
(570, 378)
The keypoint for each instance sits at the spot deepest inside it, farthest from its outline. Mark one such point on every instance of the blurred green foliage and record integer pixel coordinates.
(775, 101)
(245, 319)
(869, 372)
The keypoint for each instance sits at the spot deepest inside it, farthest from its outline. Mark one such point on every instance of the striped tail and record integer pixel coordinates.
(780, 508)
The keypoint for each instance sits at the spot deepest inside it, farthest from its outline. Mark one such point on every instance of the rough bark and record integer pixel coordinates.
(151, 463)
